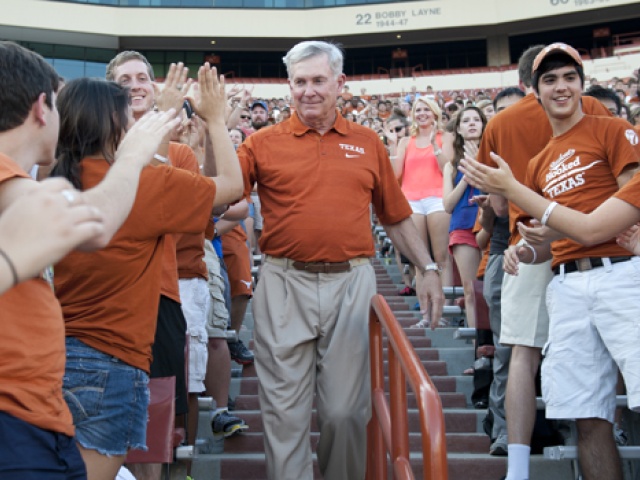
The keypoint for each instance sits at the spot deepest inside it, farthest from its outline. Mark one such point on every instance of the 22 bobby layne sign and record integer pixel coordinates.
(394, 18)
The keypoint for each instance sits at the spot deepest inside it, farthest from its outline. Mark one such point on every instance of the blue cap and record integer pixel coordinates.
(260, 103)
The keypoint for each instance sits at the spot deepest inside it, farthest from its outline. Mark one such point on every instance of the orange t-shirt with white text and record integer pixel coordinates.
(578, 169)
(518, 134)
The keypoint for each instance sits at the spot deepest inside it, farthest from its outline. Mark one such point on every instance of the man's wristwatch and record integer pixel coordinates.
(432, 267)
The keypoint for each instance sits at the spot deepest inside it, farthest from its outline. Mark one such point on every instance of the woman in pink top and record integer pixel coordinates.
(418, 161)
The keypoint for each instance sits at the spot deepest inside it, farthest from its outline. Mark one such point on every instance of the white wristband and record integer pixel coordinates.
(533, 250)
(160, 158)
(547, 213)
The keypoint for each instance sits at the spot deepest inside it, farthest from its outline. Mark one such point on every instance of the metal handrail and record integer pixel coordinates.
(388, 430)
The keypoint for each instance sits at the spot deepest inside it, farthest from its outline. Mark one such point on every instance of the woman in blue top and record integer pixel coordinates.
(458, 201)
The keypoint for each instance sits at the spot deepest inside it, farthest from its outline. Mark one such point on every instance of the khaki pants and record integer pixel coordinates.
(311, 335)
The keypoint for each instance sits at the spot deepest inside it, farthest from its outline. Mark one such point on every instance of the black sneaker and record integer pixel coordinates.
(240, 353)
(228, 425)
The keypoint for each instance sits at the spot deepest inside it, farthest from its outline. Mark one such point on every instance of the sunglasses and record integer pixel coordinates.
(245, 116)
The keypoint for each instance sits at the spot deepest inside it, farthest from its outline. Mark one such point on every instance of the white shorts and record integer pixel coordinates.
(427, 206)
(194, 294)
(525, 320)
(594, 330)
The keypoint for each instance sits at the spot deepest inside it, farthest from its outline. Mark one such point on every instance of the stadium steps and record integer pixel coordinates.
(242, 456)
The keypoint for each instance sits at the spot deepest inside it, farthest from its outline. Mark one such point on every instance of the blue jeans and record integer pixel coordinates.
(107, 398)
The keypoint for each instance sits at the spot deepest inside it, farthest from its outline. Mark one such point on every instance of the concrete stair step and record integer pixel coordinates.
(448, 399)
(249, 385)
(252, 442)
(457, 420)
(461, 466)
(418, 338)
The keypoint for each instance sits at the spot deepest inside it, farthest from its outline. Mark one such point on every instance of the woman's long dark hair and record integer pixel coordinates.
(93, 118)
(458, 142)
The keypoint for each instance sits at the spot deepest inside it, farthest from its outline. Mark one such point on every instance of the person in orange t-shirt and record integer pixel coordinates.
(131, 69)
(519, 133)
(616, 217)
(37, 438)
(317, 177)
(592, 299)
(110, 298)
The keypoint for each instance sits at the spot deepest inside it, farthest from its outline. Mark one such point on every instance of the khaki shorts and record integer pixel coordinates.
(525, 320)
(217, 314)
(194, 293)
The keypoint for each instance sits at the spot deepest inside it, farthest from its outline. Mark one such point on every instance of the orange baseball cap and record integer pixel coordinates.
(555, 48)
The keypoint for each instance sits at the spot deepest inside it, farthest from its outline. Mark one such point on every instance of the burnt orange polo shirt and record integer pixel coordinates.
(316, 190)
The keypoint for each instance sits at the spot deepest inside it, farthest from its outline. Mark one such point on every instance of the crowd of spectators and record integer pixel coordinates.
(432, 124)
(194, 237)
(367, 108)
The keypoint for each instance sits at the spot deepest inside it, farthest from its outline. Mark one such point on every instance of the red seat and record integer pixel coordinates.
(482, 310)
(160, 427)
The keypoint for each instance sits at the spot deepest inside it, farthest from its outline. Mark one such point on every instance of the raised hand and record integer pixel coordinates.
(471, 149)
(487, 179)
(176, 86)
(211, 99)
(144, 137)
(392, 136)
(234, 90)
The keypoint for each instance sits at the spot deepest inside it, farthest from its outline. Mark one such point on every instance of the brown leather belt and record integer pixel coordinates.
(584, 264)
(318, 267)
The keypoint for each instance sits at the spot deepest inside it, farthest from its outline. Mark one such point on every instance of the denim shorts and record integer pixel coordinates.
(107, 398)
(31, 453)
